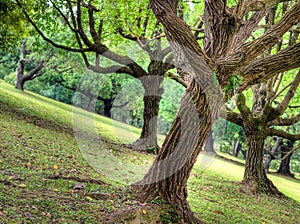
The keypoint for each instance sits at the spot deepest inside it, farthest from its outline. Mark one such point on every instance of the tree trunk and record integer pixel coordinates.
(237, 147)
(255, 176)
(271, 154)
(91, 104)
(21, 68)
(209, 146)
(152, 97)
(284, 168)
(168, 175)
(108, 105)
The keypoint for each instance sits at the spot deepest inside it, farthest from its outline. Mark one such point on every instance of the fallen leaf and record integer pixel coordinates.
(89, 198)
(2, 213)
(144, 211)
(28, 164)
(219, 212)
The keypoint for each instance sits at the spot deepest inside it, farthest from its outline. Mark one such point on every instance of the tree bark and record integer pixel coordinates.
(209, 146)
(21, 68)
(168, 175)
(271, 154)
(284, 168)
(108, 105)
(152, 97)
(255, 176)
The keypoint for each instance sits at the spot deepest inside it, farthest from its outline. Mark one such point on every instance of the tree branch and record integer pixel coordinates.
(264, 68)
(54, 44)
(279, 110)
(285, 121)
(176, 78)
(232, 117)
(283, 134)
(251, 50)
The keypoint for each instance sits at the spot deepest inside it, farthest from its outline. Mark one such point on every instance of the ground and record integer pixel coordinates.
(45, 178)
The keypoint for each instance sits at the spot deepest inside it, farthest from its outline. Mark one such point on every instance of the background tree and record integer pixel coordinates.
(37, 70)
(92, 33)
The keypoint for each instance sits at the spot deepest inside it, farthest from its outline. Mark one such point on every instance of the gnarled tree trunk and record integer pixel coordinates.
(168, 176)
(255, 176)
(209, 146)
(271, 154)
(152, 97)
(284, 168)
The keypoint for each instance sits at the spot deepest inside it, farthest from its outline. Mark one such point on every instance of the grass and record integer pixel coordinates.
(41, 160)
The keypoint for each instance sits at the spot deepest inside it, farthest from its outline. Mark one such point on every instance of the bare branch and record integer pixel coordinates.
(264, 68)
(251, 50)
(285, 121)
(283, 134)
(112, 69)
(232, 117)
(279, 110)
(176, 78)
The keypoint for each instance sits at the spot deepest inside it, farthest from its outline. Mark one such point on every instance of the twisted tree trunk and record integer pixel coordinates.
(168, 176)
(152, 97)
(255, 176)
(284, 168)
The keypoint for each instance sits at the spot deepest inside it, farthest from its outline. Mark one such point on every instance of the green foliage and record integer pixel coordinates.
(233, 83)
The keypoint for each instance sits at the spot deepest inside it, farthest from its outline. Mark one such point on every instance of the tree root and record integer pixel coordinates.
(78, 179)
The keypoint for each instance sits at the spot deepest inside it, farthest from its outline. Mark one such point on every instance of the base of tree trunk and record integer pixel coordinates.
(266, 187)
(144, 145)
(180, 206)
(286, 174)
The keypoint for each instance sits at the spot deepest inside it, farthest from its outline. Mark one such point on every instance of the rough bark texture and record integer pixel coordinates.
(284, 168)
(255, 176)
(152, 97)
(272, 152)
(21, 77)
(209, 146)
(169, 173)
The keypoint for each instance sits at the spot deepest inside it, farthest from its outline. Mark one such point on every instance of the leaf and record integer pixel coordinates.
(55, 167)
(22, 185)
(89, 198)
(28, 164)
(144, 211)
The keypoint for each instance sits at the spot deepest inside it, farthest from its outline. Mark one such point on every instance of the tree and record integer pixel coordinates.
(272, 151)
(92, 33)
(226, 53)
(286, 155)
(37, 71)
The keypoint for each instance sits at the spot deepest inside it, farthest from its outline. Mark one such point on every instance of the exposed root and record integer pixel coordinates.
(145, 145)
(78, 179)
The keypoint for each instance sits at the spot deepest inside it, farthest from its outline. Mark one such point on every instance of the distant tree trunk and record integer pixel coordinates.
(255, 176)
(91, 104)
(236, 148)
(284, 168)
(34, 73)
(271, 154)
(209, 146)
(167, 177)
(152, 97)
(108, 105)
(21, 68)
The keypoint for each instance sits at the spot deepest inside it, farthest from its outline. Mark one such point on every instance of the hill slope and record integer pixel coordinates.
(43, 161)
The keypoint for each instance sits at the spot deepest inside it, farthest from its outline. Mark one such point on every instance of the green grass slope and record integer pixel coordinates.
(42, 160)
